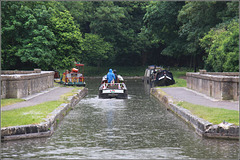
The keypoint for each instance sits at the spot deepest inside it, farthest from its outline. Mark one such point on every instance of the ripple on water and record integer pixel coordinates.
(134, 128)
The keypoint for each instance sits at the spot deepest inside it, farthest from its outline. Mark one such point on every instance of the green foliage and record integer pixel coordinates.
(39, 34)
(52, 35)
(96, 50)
(222, 46)
(197, 18)
(107, 21)
(119, 23)
(161, 20)
(122, 70)
(82, 12)
(68, 37)
(230, 12)
(26, 36)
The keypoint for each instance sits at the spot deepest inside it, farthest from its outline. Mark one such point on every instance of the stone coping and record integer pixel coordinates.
(17, 77)
(201, 126)
(220, 73)
(46, 128)
(19, 72)
(214, 77)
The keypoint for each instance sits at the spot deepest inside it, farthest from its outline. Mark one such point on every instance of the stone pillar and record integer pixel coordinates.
(203, 71)
(37, 70)
(24, 84)
(219, 85)
(227, 91)
(3, 88)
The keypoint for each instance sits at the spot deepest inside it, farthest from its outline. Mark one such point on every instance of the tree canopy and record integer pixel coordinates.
(53, 34)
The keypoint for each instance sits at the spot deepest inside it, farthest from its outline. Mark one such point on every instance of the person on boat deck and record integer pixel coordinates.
(116, 77)
(110, 76)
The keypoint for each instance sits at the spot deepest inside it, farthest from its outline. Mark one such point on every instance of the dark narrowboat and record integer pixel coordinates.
(158, 76)
(164, 78)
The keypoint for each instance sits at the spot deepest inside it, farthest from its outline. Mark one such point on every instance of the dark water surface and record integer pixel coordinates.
(138, 127)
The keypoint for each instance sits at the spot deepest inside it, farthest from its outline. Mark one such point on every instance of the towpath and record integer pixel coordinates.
(184, 94)
(48, 95)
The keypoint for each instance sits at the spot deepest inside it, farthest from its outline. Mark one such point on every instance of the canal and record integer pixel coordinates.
(138, 127)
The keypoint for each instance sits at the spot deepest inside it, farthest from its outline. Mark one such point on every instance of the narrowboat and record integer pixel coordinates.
(158, 76)
(150, 73)
(164, 78)
(113, 90)
(73, 78)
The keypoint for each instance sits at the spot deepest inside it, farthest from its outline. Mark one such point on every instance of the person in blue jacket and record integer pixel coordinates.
(110, 76)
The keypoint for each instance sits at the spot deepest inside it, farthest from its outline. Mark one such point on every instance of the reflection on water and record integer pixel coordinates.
(138, 127)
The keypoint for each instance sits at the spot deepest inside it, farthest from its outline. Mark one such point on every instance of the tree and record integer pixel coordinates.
(107, 21)
(160, 21)
(130, 44)
(222, 45)
(221, 42)
(196, 19)
(68, 38)
(26, 38)
(82, 12)
(161, 29)
(52, 35)
(96, 50)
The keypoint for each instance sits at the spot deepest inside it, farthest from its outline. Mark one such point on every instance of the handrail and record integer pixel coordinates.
(106, 85)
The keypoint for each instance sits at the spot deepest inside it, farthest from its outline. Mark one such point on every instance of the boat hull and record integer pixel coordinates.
(113, 94)
(113, 90)
(79, 84)
(164, 78)
(164, 82)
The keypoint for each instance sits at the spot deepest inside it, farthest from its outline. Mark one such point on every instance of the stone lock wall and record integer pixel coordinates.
(45, 128)
(201, 126)
(18, 84)
(219, 85)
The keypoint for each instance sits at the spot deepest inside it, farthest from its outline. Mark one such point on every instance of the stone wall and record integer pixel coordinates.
(219, 85)
(18, 84)
(20, 72)
(45, 128)
(201, 126)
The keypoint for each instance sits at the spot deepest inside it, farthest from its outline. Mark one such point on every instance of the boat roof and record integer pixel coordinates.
(153, 67)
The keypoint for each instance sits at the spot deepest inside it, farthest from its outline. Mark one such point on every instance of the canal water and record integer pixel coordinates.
(138, 127)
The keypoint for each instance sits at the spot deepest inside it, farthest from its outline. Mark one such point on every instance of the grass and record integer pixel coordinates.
(33, 114)
(213, 115)
(28, 115)
(5, 102)
(65, 96)
(178, 83)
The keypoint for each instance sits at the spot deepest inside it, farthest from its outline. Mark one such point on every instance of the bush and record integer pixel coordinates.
(222, 46)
